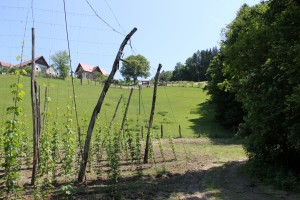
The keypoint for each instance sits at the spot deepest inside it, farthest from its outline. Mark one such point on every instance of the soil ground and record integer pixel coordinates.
(204, 169)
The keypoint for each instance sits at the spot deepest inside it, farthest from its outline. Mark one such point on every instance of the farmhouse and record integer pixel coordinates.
(41, 65)
(88, 71)
(4, 66)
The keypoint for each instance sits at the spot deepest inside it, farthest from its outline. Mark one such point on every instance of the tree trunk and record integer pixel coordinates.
(97, 108)
(151, 115)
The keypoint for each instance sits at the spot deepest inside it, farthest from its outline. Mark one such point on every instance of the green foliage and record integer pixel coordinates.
(47, 163)
(229, 111)
(161, 149)
(138, 155)
(113, 151)
(68, 139)
(61, 60)
(165, 76)
(54, 149)
(171, 143)
(259, 62)
(134, 67)
(11, 142)
(195, 67)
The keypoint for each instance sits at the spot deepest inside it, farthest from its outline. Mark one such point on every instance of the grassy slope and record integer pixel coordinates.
(175, 106)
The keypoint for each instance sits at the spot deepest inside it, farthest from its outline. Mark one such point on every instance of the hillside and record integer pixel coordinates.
(184, 106)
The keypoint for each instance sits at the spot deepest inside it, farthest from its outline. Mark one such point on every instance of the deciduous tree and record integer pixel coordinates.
(61, 60)
(134, 67)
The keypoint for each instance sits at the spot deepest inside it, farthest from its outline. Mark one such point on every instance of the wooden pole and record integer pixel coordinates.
(115, 113)
(151, 115)
(140, 88)
(34, 113)
(38, 106)
(180, 132)
(98, 106)
(45, 106)
(126, 109)
(161, 131)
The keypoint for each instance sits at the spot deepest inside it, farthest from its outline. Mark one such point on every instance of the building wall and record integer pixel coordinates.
(51, 71)
(86, 75)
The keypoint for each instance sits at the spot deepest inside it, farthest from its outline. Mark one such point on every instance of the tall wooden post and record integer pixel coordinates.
(151, 115)
(140, 88)
(179, 129)
(98, 106)
(34, 112)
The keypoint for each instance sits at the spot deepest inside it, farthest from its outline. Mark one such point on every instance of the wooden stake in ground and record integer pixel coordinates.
(126, 110)
(34, 113)
(151, 115)
(115, 113)
(97, 108)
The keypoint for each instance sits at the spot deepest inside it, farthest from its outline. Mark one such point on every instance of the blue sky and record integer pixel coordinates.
(169, 31)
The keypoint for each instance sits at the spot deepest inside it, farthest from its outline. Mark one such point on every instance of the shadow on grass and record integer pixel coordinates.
(205, 125)
(214, 183)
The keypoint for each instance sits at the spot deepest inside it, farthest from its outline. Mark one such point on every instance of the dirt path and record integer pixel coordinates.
(198, 177)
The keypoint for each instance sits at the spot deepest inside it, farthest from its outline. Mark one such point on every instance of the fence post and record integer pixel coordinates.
(142, 132)
(180, 132)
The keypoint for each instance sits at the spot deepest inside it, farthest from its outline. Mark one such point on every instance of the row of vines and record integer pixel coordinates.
(59, 152)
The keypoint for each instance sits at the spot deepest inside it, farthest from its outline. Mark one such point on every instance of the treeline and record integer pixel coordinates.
(194, 68)
(254, 83)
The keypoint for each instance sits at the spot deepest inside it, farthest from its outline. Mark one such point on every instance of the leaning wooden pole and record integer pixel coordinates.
(97, 108)
(115, 113)
(126, 110)
(146, 155)
(34, 113)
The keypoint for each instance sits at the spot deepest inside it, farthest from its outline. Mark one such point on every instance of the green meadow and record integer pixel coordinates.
(176, 106)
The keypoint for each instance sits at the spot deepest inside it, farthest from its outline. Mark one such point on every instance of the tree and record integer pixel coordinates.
(99, 77)
(61, 60)
(165, 76)
(195, 66)
(260, 65)
(180, 72)
(229, 112)
(134, 67)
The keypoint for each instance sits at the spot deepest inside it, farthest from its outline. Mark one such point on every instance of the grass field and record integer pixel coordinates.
(184, 106)
(183, 168)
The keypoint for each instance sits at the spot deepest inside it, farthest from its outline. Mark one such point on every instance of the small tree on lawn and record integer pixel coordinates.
(134, 67)
(61, 60)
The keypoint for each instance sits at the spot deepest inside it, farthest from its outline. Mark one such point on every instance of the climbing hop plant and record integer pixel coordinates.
(161, 149)
(54, 147)
(138, 155)
(172, 145)
(11, 142)
(68, 139)
(47, 163)
(113, 153)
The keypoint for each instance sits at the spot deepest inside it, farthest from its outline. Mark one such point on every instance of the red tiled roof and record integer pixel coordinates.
(86, 67)
(5, 64)
(90, 68)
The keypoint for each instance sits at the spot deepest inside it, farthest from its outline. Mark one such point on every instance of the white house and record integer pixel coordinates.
(41, 65)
